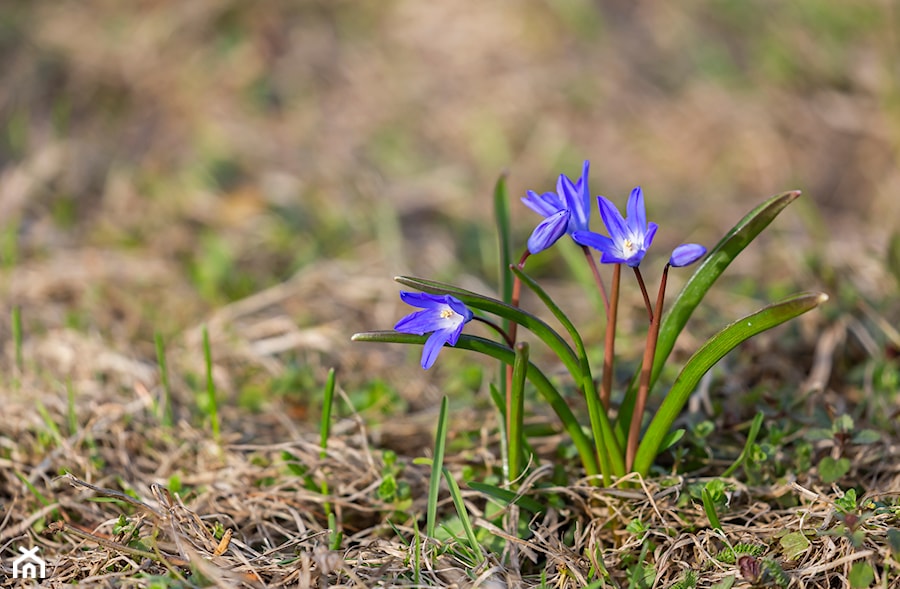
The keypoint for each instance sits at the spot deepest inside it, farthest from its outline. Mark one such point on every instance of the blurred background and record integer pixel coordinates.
(266, 168)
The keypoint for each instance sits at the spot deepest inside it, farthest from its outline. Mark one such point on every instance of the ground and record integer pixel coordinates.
(201, 202)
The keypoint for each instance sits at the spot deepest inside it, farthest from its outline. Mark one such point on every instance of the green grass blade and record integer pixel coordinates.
(463, 513)
(508, 497)
(534, 324)
(709, 506)
(327, 404)
(437, 463)
(517, 408)
(609, 452)
(501, 217)
(751, 438)
(167, 413)
(213, 406)
(718, 259)
(17, 337)
(545, 388)
(704, 359)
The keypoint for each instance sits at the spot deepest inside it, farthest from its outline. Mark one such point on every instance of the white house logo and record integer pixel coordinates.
(29, 565)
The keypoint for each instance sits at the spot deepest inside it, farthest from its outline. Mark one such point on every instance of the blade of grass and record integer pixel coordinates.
(437, 463)
(167, 412)
(704, 359)
(709, 507)
(517, 407)
(327, 404)
(751, 438)
(17, 337)
(508, 497)
(715, 263)
(463, 514)
(501, 218)
(213, 407)
(534, 324)
(582, 441)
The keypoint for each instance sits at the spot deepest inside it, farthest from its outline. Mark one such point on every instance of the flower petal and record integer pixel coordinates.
(548, 231)
(612, 218)
(686, 254)
(637, 213)
(419, 323)
(650, 234)
(422, 300)
(595, 240)
(433, 346)
(543, 204)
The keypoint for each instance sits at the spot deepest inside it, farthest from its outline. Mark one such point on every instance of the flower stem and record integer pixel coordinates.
(597, 278)
(640, 279)
(646, 368)
(506, 337)
(511, 341)
(609, 347)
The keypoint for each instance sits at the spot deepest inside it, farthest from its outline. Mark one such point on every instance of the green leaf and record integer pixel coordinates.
(534, 324)
(437, 463)
(516, 442)
(704, 359)
(610, 454)
(463, 514)
(508, 497)
(545, 388)
(830, 470)
(671, 439)
(865, 436)
(794, 544)
(697, 286)
(751, 439)
(861, 575)
(893, 255)
(501, 217)
(725, 583)
(709, 506)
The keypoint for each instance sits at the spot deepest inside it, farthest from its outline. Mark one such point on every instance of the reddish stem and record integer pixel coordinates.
(646, 368)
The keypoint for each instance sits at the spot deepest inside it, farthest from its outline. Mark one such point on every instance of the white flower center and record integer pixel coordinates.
(628, 248)
(448, 313)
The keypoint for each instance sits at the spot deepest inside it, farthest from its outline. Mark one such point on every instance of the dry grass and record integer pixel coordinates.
(263, 172)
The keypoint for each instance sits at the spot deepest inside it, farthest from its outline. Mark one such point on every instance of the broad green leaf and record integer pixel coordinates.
(696, 288)
(545, 388)
(704, 359)
(830, 469)
(794, 544)
(534, 324)
(508, 497)
(861, 575)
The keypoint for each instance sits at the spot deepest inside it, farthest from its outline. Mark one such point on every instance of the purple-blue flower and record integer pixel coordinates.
(686, 254)
(628, 238)
(442, 314)
(565, 211)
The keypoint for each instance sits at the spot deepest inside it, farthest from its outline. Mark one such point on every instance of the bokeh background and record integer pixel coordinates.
(265, 168)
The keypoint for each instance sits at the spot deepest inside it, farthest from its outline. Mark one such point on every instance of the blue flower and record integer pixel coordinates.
(442, 314)
(628, 238)
(565, 211)
(686, 254)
